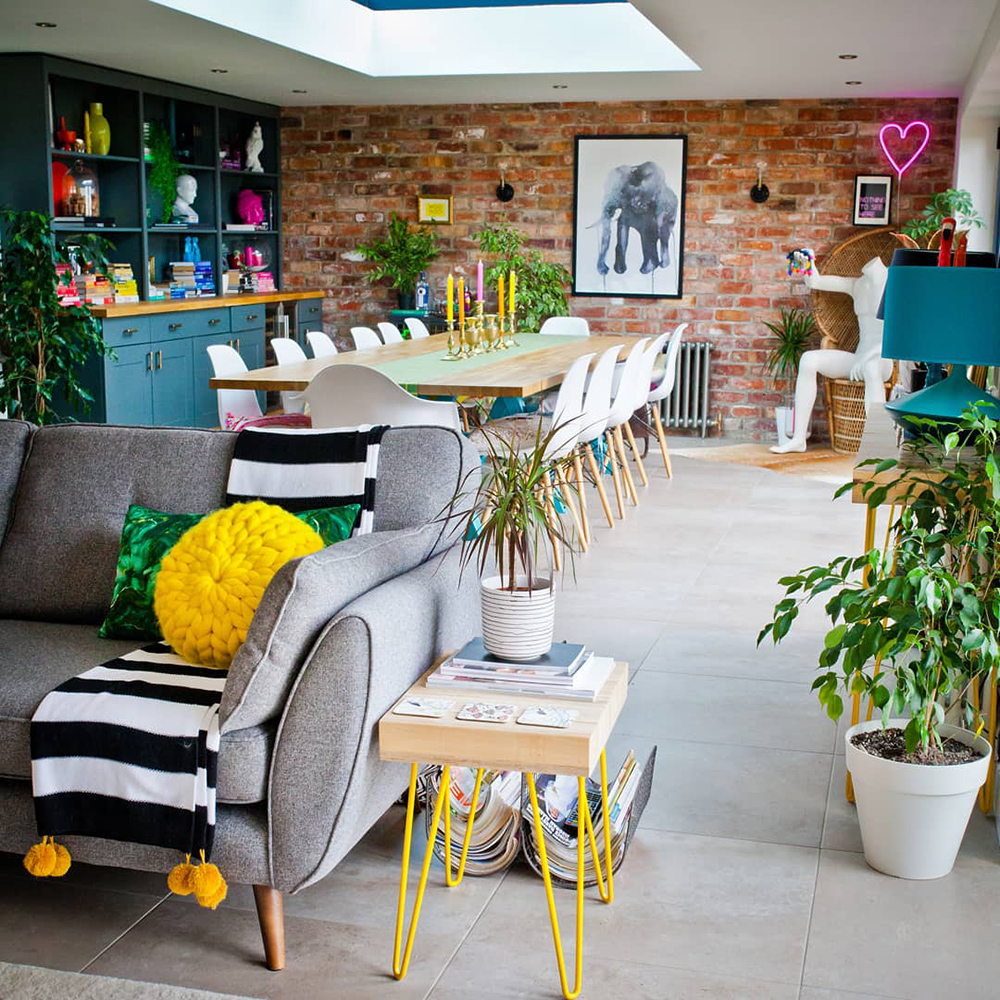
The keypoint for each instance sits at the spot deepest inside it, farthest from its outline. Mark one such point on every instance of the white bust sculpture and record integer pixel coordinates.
(255, 146)
(187, 191)
(866, 363)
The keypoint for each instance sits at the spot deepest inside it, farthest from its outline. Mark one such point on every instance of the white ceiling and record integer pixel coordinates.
(745, 48)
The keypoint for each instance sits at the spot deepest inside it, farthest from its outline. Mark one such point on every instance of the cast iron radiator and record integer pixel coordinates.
(687, 406)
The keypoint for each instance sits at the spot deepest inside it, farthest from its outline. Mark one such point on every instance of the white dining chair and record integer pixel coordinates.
(594, 421)
(352, 395)
(623, 406)
(364, 338)
(417, 327)
(662, 391)
(565, 326)
(643, 382)
(234, 404)
(389, 333)
(288, 352)
(320, 344)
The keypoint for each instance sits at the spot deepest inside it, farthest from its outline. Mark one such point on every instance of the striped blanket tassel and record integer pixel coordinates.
(47, 859)
(205, 881)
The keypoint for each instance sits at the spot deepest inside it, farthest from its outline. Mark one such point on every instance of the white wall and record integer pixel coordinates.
(976, 170)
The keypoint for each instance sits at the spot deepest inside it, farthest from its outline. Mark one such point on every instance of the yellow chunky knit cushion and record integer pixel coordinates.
(211, 581)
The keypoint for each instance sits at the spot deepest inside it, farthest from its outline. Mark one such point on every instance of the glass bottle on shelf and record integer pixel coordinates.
(86, 198)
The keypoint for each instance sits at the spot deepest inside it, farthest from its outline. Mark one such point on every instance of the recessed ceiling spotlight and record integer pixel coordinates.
(46, 24)
(560, 86)
(297, 91)
(847, 55)
(853, 83)
(220, 70)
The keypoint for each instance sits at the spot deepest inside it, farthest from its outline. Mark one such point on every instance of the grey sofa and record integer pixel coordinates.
(337, 638)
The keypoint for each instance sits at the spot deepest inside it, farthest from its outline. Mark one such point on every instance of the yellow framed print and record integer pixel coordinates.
(436, 211)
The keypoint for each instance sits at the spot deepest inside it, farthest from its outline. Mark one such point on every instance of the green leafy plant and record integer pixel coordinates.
(790, 338)
(541, 284)
(163, 173)
(954, 203)
(402, 255)
(507, 521)
(914, 628)
(42, 344)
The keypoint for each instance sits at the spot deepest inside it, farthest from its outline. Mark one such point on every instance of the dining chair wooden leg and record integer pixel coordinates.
(578, 472)
(567, 492)
(595, 471)
(619, 443)
(635, 454)
(552, 517)
(464, 414)
(661, 437)
(609, 443)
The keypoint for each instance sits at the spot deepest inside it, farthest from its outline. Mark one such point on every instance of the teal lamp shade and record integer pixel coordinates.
(945, 315)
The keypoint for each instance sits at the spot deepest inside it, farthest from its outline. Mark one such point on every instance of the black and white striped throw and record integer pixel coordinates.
(303, 469)
(128, 751)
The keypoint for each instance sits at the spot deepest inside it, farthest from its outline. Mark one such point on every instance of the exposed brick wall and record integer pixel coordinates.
(346, 168)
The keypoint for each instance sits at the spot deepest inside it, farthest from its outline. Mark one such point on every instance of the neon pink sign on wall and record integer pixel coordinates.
(902, 132)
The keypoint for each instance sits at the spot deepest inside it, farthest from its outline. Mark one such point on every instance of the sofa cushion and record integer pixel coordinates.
(35, 657)
(74, 491)
(14, 438)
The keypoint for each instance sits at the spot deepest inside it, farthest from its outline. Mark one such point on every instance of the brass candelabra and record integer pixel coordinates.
(482, 333)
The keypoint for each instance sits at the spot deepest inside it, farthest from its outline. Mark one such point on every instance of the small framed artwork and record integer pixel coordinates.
(436, 211)
(872, 199)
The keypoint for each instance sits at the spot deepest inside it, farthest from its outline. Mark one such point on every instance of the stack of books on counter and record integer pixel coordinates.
(123, 282)
(95, 289)
(190, 280)
(66, 286)
(568, 670)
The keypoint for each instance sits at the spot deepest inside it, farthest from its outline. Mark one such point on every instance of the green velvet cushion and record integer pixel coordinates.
(148, 535)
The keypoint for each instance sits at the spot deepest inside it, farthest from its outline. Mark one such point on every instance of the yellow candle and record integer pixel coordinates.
(451, 298)
(500, 295)
(513, 284)
(461, 301)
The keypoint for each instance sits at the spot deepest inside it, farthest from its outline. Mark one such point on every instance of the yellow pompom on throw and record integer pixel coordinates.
(211, 581)
(63, 860)
(47, 859)
(179, 881)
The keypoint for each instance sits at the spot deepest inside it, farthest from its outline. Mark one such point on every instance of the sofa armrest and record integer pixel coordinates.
(327, 785)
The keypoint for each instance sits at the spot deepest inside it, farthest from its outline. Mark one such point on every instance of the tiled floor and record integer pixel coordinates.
(745, 881)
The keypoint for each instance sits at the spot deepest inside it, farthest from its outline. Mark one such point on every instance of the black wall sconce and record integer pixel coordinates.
(759, 193)
(505, 192)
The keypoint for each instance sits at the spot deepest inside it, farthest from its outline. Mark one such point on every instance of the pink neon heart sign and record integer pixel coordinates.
(902, 132)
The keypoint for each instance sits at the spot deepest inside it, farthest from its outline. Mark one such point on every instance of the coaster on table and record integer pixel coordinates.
(545, 715)
(480, 711)
(431, 708)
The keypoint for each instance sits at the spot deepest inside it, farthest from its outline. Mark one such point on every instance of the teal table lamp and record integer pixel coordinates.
(947, 315)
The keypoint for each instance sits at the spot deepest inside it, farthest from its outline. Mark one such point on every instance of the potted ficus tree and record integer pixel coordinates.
(789, 339)
(400, 257)
(509, 525)
(915, 630)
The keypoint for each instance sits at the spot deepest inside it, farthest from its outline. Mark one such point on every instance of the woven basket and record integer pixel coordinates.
(847, 414)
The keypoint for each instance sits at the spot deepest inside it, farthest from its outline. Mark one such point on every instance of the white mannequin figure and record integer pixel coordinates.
(866, 363)
(187, 191)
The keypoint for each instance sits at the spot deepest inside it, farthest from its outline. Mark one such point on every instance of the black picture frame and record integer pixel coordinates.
(601, 162)
(871, 192)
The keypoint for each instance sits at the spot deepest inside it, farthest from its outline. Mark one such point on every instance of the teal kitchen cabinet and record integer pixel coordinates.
(173, 397)
(126, 395)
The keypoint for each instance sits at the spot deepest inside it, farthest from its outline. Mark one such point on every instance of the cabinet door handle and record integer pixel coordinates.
(175, 326)
(237, 345)
(149, 361)
(159, 360)
(214, 322)
(129, 330)
(251, 316)
(314, 309)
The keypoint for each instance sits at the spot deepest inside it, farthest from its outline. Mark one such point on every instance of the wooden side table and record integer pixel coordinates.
(575, 750)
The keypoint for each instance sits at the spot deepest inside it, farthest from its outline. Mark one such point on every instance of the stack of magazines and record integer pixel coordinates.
(566, 671)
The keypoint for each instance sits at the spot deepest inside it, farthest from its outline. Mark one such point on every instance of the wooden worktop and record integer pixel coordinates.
(206, 302)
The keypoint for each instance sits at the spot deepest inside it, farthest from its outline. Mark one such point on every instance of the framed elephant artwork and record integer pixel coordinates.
(628, 215)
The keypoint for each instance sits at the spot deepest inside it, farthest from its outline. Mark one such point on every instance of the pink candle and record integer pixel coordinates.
(479, 282)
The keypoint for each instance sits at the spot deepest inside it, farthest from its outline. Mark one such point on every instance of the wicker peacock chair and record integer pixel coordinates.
(834, 312)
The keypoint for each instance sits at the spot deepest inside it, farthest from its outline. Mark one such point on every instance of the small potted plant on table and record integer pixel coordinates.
(400, 257)
(915, 630)
(790, 337)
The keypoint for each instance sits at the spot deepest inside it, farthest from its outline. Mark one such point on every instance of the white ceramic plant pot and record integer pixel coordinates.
(913, 816)
(517, 625)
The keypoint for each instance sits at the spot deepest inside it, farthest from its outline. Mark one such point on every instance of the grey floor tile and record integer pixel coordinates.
(808, 993)
(914, 924)
(624, 640)
(840, 830)
(732, 710)
(60, 926)
(83, 876)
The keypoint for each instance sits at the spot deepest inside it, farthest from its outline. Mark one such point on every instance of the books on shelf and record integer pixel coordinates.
(190, 279)
(66, 288)
(95, 221)
(562, 658)
(95, 289)
(123, 282)
(241, 227)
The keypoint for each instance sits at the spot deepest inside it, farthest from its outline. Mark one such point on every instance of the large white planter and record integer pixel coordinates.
(517, 625)
(784, 419)
(913, 816)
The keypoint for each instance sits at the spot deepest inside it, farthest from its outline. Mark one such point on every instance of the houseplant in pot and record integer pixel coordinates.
(509, 525)
(790, 337)
(400, 257)
(916, 631)
(955, 203)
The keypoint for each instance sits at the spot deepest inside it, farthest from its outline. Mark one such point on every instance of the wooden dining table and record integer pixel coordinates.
(536, 364)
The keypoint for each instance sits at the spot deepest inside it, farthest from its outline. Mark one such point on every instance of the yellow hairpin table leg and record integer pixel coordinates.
(399, 967)
(608, 895)
(452, 882)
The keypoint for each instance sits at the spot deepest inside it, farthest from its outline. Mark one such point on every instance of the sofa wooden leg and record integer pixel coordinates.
(271, 915)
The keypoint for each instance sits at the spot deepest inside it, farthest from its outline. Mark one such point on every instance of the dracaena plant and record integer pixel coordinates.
(43, 345)
(401, 255)
(914, 627)
(505, 513)
(789, 339)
